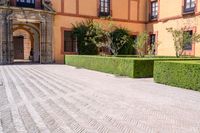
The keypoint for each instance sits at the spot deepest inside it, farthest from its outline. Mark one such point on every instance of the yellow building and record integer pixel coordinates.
(153, 16)
(125, 13)
(176, 14)
(31, 22)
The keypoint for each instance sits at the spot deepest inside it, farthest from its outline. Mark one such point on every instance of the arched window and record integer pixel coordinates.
(26, 3)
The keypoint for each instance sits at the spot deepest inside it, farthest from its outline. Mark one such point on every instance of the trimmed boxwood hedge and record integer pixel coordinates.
(185, 74)
(119, 66)
(132, 67)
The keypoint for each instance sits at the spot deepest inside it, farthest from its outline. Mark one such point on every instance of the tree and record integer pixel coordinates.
(181, 38)
(91, 34)
(118, 37)
(85, 33)
(141, 43)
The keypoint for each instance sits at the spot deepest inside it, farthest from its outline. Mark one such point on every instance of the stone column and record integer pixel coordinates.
(10, 47)
(46, 39)
(1, 30)
(6, 38)
(49, 38)
(3, 37)
(43, 41)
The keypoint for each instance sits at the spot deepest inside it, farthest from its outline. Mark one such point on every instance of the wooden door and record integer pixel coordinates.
(18, 47)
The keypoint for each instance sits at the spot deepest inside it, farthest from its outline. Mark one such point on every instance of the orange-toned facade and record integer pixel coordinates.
(125, 13)
(49, 42)
(132, 14)
(171, 13)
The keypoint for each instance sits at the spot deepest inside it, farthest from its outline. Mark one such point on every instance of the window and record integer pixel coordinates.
(189, 6)
(26, 3)
(154, 10)
(70, 44)
(152, 41)
(188, 46)
(134, 37)
(104, 8)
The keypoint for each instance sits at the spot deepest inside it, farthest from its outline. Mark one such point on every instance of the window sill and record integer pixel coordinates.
(153, 20)
(188, 11)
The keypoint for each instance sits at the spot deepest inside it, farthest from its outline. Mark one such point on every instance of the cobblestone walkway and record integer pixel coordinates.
(63, 99)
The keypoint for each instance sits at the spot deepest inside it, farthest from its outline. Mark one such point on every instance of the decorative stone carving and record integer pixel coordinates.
(36, 21)
(3, 2)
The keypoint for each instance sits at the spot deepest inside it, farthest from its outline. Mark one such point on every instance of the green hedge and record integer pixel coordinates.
(119, 66)
(132, 67)
(156, 57)
(185, 74)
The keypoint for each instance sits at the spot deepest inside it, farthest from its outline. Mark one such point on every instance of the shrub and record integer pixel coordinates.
(127, 49)
(132, 67)
(185, 74)
(141, 43)
(119, 66)
(85, 46)
(181, 39)
(121, 41)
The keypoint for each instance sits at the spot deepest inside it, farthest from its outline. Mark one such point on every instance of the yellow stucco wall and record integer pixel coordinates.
(132, 14)
(170, 15)
(125, 13)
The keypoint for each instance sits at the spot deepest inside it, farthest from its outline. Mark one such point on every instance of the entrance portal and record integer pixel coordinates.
(35, 43)
(23, 44)
(18, 47)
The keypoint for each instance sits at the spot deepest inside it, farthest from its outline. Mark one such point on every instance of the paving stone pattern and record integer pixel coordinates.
(64, 99)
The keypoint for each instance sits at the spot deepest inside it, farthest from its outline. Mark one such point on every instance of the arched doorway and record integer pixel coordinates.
(39, 25)
(26, 43)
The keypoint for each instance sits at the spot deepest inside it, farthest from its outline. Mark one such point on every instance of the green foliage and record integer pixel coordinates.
(141, 43)
(144, 67)
(181, 39)
(91, 37)
(114, 65)
(185, 74)
(120, 37)
(132, 67)
(127, 49)
(151, 49)
(84, 32)
(96, 35)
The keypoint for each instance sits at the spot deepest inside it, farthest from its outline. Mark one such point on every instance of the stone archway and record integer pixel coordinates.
(34, 33)
(40, 22)
(22, 45)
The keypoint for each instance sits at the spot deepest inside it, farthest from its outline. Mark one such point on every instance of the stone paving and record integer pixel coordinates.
(64, 99)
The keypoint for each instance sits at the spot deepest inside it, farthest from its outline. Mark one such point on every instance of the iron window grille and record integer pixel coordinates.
(188, 46)
(189, 6)
(152, 41)
(104, 8)
(26, 3)
(70, 42)
(154, 10)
